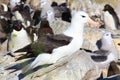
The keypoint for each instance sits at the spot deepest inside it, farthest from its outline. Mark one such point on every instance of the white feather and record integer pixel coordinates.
(107, 44)
(5, 7)
(109, 21)
(76, 31)
(13, 3)
(18, 16)
(18, 40)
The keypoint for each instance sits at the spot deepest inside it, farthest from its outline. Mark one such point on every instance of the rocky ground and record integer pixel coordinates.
(63, 68)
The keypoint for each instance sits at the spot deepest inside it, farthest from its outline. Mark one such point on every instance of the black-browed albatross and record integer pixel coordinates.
(73, 36)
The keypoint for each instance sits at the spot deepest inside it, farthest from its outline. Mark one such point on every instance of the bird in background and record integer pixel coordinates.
(13, 3)
(19, 37)
(106, 54)
(110, 17)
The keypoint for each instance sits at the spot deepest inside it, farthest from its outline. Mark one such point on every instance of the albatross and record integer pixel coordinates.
(73, 36)
(107, 53)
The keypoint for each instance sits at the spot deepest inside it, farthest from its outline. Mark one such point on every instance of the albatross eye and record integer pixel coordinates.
(107, 34)
(83, 16)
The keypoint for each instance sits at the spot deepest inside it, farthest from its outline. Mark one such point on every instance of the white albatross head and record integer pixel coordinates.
(107, 36)
(77, 24)
(81, 16)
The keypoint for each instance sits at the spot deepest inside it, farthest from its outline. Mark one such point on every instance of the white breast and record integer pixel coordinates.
(19, 39)
(109, 21)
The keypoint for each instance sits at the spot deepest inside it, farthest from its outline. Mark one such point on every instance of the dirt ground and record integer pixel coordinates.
(4, 1)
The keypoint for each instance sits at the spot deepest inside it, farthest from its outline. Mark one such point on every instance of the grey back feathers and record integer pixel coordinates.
(106, 53)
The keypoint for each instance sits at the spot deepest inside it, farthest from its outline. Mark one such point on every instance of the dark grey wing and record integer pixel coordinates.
(60, 38)
(102, 55)
(5, 25)
(7, 15)
(26, 15)
(99, 58)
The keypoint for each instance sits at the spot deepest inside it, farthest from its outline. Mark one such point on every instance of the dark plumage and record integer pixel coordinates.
(36, 17)
(45, 41)
(110, 9)
(113, 69)
(62, 12)
(5, 14)
(24, 10)
(50, 41)
(5, 29)
(44, 29)
(54, 4)
(46, 44)
(114, 77)
(99, 58)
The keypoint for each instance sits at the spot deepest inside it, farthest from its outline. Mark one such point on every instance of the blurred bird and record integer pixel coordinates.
(113, 69)
(5, 29)
(19, 37)
(13, 3)
(110, 17)
(60, 11)
(22, 12)
(106, 53)
(5, 12)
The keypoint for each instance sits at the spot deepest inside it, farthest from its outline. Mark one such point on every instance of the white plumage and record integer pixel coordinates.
(75, 31)
(107, 44)
(108, 20)
(13, 3)
(18, 40)
(107, 49)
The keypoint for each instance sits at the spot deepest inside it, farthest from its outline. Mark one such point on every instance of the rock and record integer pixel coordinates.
(74, 67)
(91, 35)
(3, 47)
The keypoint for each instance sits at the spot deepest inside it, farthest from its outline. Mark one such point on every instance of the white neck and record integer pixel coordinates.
(75, 29)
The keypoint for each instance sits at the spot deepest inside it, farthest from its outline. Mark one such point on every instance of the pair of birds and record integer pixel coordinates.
(71, 41)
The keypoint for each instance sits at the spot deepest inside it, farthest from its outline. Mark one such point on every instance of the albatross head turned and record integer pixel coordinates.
(83, 17)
